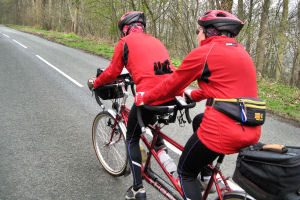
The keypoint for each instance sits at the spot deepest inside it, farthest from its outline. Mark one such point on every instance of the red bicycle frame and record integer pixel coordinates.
(149, 176)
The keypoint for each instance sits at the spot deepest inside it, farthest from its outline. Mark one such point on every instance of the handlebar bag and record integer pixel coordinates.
(269, 175)
(246, 110)
(109, 93)
(106, 93)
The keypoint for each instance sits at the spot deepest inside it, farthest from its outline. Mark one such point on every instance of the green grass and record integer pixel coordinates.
(281, 100)
(70, 39)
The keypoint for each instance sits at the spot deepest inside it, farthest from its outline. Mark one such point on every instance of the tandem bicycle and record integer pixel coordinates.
(109, 142)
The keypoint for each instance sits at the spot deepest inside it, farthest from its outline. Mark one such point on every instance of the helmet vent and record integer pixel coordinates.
(221, 15)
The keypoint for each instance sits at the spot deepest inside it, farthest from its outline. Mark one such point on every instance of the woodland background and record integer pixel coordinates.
(271, 32)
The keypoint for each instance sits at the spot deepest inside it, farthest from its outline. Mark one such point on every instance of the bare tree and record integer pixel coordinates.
(282, 39)
(248, 30)
(226, 5)
(260, 46)
(295, 76)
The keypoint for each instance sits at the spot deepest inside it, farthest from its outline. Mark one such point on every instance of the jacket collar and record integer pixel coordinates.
(218, 39)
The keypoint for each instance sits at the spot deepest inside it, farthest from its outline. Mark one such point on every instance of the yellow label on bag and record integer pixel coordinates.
(259, 116)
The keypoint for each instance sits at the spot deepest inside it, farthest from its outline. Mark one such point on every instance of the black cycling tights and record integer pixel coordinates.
(132, 140)
(194, 158)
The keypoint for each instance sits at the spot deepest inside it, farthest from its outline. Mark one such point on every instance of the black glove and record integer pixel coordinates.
(158, 69)
(163, 68)
(99, 71)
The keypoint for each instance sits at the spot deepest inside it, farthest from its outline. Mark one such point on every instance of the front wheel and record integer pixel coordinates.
(109, 143)
(235, 196)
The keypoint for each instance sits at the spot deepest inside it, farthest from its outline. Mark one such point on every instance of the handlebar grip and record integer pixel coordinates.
(187, 115)
(132, 89)
(99, 101)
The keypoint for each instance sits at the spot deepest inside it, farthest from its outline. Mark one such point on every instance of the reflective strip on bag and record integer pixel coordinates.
(242, 101)
(254, 106)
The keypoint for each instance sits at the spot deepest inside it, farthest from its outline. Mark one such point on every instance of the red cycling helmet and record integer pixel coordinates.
(222, 21)
(132, 17)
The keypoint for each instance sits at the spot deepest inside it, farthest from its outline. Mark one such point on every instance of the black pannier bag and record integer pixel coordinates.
(269, 174)
(109, 93)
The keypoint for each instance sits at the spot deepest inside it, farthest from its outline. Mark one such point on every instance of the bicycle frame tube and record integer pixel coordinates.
(154, 181)
(171, 141)
(215, 180)
(113, 132)
(160, 186)
(125, 113)
(152, 152)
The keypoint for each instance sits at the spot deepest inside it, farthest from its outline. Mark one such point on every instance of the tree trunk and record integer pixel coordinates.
(76, 17)
(133, 5)
(211, 4)
(298, 81)
(248, 30)
(241, 10)
(17, 14)
(226, 5)
(50, 17)
(260, 46)
(218, 5)
(295, 78)
(282, 40)
(43, 22)
(154, 32)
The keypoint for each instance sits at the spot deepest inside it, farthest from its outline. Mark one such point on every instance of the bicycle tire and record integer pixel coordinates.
(235, 196)
(110, 151)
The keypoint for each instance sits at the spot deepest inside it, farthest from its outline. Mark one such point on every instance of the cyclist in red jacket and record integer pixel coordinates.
(223, 70)
(148, 62)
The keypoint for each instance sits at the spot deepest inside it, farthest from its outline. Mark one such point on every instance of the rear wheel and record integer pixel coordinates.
(236, 196)
(109, 143)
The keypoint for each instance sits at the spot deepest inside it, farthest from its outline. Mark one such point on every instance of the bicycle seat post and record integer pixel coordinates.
(219, 161)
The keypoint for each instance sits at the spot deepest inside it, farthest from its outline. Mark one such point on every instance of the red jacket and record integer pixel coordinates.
(223, 69)
(137, 52)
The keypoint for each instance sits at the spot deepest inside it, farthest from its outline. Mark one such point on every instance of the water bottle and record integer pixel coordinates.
(167, 161)
(143, 153)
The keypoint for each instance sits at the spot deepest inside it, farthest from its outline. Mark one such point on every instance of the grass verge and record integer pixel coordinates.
(281, 100)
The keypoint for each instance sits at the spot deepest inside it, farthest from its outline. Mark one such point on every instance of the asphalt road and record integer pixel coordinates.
(45, 124)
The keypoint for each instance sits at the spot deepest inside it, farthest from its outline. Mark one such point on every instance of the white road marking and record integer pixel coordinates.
(5, 35)
(61, 72)
(22, 45)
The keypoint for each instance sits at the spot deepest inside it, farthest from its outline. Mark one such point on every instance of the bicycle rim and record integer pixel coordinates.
(109, 144)
(235, 196)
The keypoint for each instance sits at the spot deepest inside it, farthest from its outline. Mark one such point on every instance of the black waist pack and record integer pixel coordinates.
(269, 174)
(246, 110)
